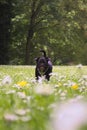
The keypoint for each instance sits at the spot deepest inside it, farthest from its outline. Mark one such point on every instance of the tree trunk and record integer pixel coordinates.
(35, 9)
(5, 22)
(28, 52)
(29, 46)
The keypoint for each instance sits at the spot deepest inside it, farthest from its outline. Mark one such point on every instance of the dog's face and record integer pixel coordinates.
(42, 64)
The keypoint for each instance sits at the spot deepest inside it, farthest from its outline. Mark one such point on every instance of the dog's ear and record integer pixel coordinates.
(36, 59)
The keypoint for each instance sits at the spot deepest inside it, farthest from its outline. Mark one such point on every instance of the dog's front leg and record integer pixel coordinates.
(48, 77)
(37, 75)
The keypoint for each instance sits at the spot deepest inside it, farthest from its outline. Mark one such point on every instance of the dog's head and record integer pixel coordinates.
(42, 63)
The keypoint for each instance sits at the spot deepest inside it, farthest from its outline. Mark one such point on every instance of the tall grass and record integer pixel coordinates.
(26, 104)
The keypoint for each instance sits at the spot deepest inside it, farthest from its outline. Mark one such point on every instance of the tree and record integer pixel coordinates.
(5, 25)
(58, 26)
(36, 6)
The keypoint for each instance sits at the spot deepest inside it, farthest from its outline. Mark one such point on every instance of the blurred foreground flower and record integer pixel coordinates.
(22, 95)
(79, 66)
(20, 116)
(10, 92)
(20, 112)
(44, 89)
(22, 83)
(6, 80)
(41, 79)
(10, 117)
(70, 115)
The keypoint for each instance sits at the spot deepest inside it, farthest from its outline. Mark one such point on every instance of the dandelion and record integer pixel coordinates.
(22, 83)
(74, 86)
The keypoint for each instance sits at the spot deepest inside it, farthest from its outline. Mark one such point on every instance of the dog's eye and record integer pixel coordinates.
(41, 61)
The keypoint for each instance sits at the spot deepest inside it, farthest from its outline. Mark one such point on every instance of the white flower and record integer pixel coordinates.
(41, 79)
(62, 77)
(28, 98)
(40, 108)
(10, 117)
(54, 74)
(21, 95)
(60, 91)
(79, 97)
(70, 83)
(79, 66)
(33, 81)
(6, 80)
(70, 115)
(25, 118)
(16, 86)
(84, 77)
(63, 95)
(21, 112)
(10, 92)
(44, 89)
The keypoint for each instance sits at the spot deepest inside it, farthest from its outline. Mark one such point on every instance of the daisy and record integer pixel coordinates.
(6, 80)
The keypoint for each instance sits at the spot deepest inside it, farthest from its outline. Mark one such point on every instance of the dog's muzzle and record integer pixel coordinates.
(42, 68)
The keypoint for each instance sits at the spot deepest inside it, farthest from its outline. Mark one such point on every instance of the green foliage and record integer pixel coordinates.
(2, 1)
(58, 26)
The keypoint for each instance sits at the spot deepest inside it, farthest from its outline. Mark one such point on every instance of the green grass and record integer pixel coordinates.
(28, 108)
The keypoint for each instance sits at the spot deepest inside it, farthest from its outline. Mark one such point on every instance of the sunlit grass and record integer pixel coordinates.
(26, 104)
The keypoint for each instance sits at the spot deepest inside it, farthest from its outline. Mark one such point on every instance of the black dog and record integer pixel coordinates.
(43, 66)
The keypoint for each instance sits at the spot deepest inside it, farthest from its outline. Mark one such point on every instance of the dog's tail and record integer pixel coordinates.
(44, 52)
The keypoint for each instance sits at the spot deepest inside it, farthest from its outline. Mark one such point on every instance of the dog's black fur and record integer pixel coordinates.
(43, 66)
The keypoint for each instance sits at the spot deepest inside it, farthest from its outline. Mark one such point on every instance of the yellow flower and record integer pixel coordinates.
(22, 83)
(59, 84)
(74, 86)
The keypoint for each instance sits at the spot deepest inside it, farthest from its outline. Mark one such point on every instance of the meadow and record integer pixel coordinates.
(26, 104)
